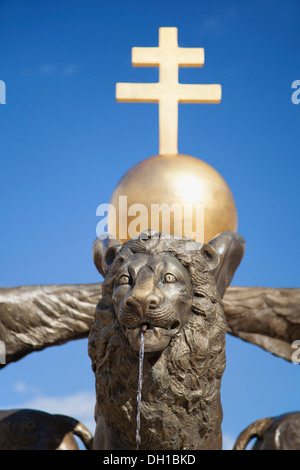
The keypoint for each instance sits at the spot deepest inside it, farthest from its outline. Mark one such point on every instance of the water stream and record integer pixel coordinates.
(139, 394)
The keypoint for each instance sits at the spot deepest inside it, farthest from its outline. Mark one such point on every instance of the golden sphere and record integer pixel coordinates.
(179, 179)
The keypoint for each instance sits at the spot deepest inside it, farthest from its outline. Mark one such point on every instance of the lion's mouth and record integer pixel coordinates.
(146, 326)
(156, 337)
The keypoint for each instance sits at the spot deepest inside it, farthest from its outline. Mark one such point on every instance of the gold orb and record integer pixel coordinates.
(179, 179)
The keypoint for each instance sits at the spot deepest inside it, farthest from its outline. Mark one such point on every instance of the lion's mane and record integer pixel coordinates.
(181, 385)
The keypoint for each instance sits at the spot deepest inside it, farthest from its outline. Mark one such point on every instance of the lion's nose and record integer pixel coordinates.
(141, 305)
(152, 301)
(131, 303)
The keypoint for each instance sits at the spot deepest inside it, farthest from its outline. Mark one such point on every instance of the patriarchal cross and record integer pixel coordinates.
(168, 92)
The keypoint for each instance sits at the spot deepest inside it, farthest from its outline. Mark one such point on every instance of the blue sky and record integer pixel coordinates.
(65, 143)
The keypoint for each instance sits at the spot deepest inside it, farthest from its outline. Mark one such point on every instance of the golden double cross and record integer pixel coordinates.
(168, 92)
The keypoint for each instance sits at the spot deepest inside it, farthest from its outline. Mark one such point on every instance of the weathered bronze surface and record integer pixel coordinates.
(185, 345)
(37, 430)
(278, 433)
(154, 291)
(35, 317)
(265, 316)
(161, 287)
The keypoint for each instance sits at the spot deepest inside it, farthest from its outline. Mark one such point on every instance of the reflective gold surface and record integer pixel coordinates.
(173, 179)
(168, 92)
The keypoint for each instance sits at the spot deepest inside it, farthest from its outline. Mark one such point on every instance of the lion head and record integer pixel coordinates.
(170, 288)
(152, 296)
(152, 288)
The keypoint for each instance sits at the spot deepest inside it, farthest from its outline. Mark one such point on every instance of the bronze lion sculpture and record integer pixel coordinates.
(278, 433)
(170, 287)
(27, 429)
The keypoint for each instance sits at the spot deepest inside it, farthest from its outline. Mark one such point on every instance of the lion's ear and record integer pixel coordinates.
(231, 248)
(211, 256)
(104, 252)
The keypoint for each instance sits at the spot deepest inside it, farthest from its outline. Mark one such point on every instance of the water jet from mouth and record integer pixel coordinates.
(140, 384)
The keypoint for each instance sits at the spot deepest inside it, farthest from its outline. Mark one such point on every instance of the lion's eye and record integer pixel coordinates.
(124, 279)
(169, 278)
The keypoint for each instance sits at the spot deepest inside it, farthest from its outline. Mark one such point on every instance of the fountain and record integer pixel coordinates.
(140, 385)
